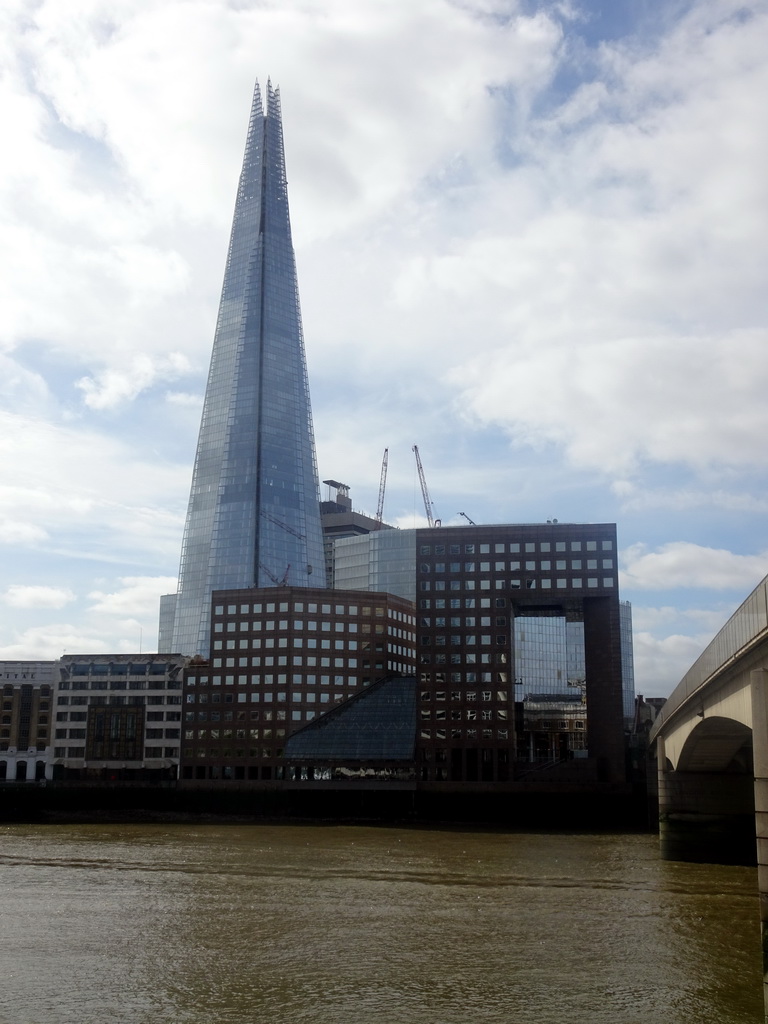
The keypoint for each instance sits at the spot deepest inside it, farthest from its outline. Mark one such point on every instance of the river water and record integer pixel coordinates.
(302, 924)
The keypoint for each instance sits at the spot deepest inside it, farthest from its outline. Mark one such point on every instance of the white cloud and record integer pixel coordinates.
(20, 596)
(113, 387)
(16, 532)
(682, 564)
(49, 642)
(184, 398)
(138, 595)
(71, 487)
(606, 249)
(21, 389)
(660, 663)
(636, 498)
(476, 258)
(670, 618)
(593, 407)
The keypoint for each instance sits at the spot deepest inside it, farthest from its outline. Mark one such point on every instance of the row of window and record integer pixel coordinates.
(227, 716)
(151, 734)
(462, 658)
(149, 752)
(311, 608)
(216, 735)
(460, 733)
(465, 621)
(281, 679)
(468, 695)
(152, 700)
(115, 669)
(459, 602)
(544, 565)
(464, 639)
(514, 547)
(254, 697)
(562, 583)
(255, 753)
(119, 684)
(311, 626)
(440, 678)
(467, 714)
(299, 643)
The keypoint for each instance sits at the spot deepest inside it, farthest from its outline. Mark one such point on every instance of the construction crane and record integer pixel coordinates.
(382, 485)
(424, 492)
(470, 521)
(278, 582)
(282, 525)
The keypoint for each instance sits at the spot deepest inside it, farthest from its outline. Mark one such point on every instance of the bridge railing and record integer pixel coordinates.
(747, 624)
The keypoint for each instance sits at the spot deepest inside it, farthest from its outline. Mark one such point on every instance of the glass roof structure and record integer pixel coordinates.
(253, 517)
(378, 724)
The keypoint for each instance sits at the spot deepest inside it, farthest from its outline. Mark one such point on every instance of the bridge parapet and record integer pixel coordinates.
(746, 628)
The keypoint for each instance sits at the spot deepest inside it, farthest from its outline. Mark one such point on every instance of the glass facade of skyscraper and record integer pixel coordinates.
(253, 516)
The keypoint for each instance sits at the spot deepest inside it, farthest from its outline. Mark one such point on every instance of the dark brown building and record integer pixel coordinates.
(511, 633)
(280, 658)
(509, 616)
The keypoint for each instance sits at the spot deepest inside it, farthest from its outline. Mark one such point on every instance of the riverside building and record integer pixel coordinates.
(117, 717)
(25, 719)
(519, 644)
(494, 656)
(281, 657)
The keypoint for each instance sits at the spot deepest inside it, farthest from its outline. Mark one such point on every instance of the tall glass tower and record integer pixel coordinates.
(254, 514)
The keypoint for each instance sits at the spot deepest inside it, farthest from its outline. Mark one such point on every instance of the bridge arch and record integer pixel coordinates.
(718, 744)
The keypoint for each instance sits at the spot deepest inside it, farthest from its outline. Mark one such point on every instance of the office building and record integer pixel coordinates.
(518, 630)
(281, 657)
(117, 717)
(25, 720)
(253, 516)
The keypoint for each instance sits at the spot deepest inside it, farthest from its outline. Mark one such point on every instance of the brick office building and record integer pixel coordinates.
(280, 658)
(512, 633)
(508, 616)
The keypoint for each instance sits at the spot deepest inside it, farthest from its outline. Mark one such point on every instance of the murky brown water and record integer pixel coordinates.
(345, 925)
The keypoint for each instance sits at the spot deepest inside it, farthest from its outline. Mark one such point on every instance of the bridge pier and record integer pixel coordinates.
(759, 687)
(705, 817)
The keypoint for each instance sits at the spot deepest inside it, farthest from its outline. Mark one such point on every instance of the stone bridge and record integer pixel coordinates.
(712, 748)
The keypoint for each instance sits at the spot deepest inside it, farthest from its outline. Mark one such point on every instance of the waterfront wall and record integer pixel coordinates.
(607, 807)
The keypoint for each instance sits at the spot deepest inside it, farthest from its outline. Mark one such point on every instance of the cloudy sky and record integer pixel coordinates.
(531, 238)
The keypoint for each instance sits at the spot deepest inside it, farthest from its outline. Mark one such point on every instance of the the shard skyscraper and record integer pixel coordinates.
(253, 516)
